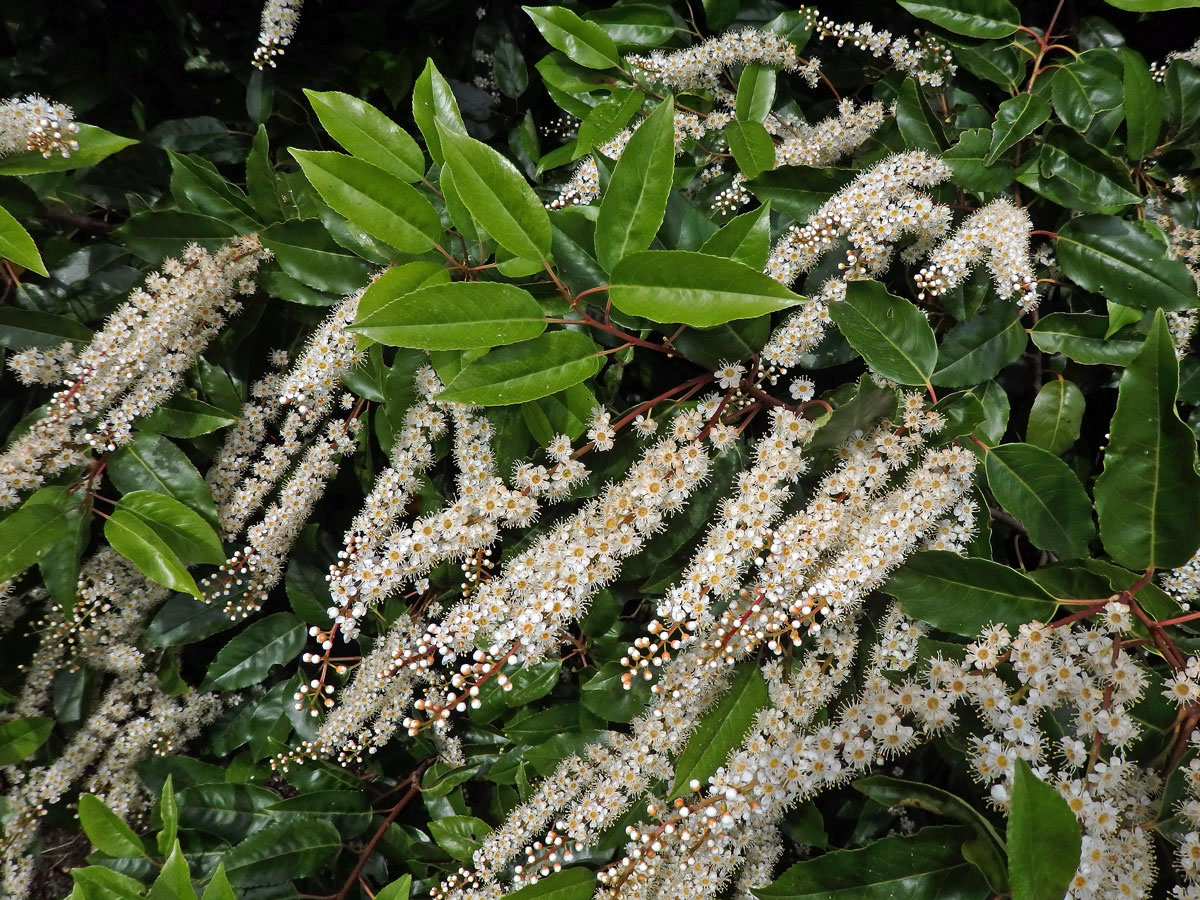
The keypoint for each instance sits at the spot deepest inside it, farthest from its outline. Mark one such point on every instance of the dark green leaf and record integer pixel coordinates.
(155, 234)
(927, 864)
(304, 249)
(458, 835)
(1042, 492)
(282, 850)
(1116, 258)
(752, 147)
(694, 289)
(980, 347)
(1056, 415)
(20, 328)
(28, 534)
(149, 553)
(150, 462)
(962, 595)
(105, 829)
(198, 187)
(19, 738)
(185, 417)
(755, 93)
(1016, 119)
(1143, 105)
(636, 199)
(248, 658)
(890, 334)
(569, 884)
(746, 239)
(721, 729)
(1148, 496)
(798, 191)
(261, 183)
(918, 125)
(1040, 819)
(607, 119)
(1071, 172)
(1081, 337)
(1086, 87)
(966, 161)
(974, 18)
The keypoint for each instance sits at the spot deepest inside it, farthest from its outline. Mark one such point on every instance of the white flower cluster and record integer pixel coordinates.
(998, 234)
(1184, 583)
(826, 141)
(1191, 56)
(133, 364)
(703, 65)
(925, 59)
(34, 123)
(1188, 853)
(278, 27)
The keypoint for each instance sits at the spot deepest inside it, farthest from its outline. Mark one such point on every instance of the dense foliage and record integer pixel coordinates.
(659, 451)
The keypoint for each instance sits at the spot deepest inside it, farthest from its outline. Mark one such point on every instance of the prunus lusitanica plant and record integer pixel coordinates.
(658, 451)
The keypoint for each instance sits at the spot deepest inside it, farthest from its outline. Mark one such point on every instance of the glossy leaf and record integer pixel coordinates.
(27, 534)
(607, 119)
(1016, 119)
(755, 93)
(752, 147)
(397, 283)
(979, 348)
(150, 554)
(926, 864)
(20, 737)
(102, 883)
(219, 887)
(17, 246)
(917, 123)
(397, 890)
(525, 371)
(459, 836)
(107, 832)
(261, 183)
(306, 251)
(1073, 173)
(365, 132)
(1080, 336)
(1148, 496)
(745, 239)
(151, 462)
(95, 144)
(1042, 492)
(636, 200)
(198, 187)
(21, 328)
(174, 881)
(721, 729)
(433, 104)
(890, 334)
(585, 43)
(497, 195)
(1055, 416)
(694, 289)
(183, 530)
(168, 812)
(569, 884)
(1116, 258)
(1143, 105)
(962, 595)
(456, 316)
(1040, 819)
(248, 658)
(185, 417)
(966, 161)
(1086, 87)
(283, 850)
(974, 18)
(377, 202)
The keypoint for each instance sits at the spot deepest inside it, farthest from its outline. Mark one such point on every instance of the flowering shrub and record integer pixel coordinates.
(758, 460)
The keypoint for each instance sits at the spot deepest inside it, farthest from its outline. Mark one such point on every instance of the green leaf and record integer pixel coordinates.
(721, 729)
(962, 595)
(150, 554)
(107, 832)
(397, 890)
(459, 836)
(283, 850)
(1083, 89)
(1148, 496)
(694, 289)
(968, 168)
(525, 371)
(585, 43)
(19, 738)
(150, 462)
(185, 417)
(198, 187)
(28, 534)
(746, 239)
(1116, 258)
(980, 347)
(365, 132)
(918, 125)
(1152, 5)
(755, 93)
(456, 316)
(1042, 492)
(926, 864)
(990, 858)
(974, 18)
(798, 191)
(636, 200)
(182, 529)
(1073, 173)
(156, 234)
(569, 884)
(94, 145)
(1016, 119)
(433, 103)
(261, 184)
(752, 147)
(890, 334)
(102, 883)
(497, 196)
(1081, 337)
(1143, 105)
(636, 24)
(174, 881)
(1182, 88)
(21, 328)
(1039, 819)
(377, 202)
(17, 246)
(606, 120)
(397, 283)
(248, 658)
(996, 61)
(168, 812)
(306, 251)
(219, 887)
(1056, 415)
